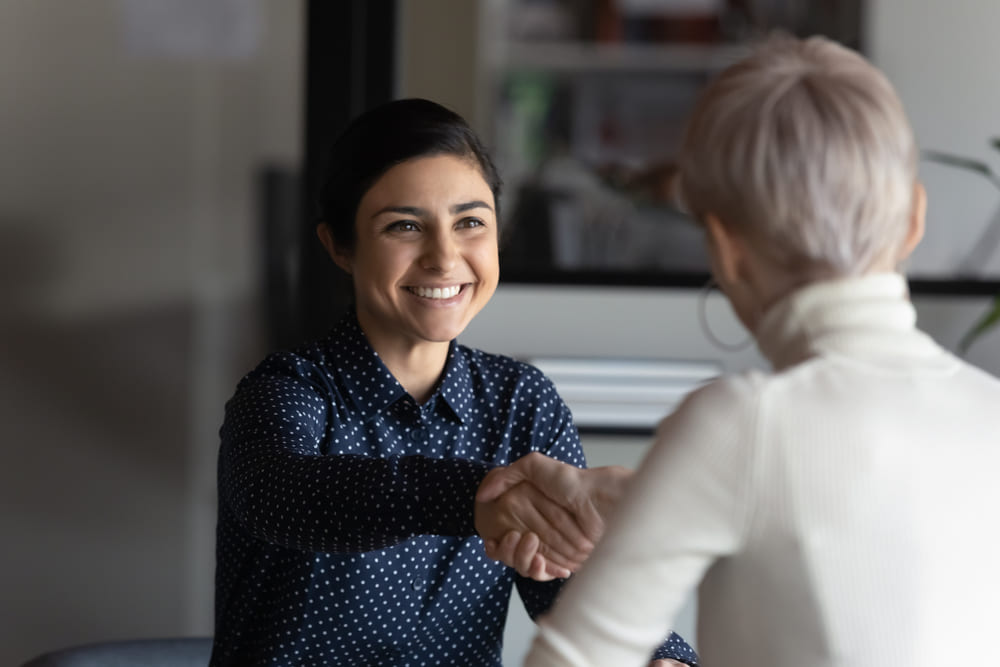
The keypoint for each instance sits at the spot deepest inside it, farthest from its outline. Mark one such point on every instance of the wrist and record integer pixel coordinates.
(444, 482)
(478, 503)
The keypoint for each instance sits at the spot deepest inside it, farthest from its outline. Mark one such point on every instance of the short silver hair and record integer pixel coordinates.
(804, 146)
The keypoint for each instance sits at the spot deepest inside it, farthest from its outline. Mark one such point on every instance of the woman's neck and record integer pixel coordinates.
(416, 366)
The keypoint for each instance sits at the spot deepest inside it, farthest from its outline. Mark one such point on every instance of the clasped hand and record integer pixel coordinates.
(542, 516)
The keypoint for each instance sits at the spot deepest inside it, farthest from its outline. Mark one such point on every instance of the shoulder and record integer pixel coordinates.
(504, 370)
(729, 391)
(979, 377)
(510, 386)
(719, 406)
(303, 369)
(524, 402)
(710, 440)
(301, 361)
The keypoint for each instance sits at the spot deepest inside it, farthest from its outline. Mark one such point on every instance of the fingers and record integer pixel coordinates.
(527, 561)
(504, 549)
(543, 570)
(524, 509)
(550, 570)
(534, 466)
(565, 507)
(521, 553)
(516, 550)
(591, 495)
(498, 481)
(532, 564)
(570, 487)
(562, 539)
(525, 551)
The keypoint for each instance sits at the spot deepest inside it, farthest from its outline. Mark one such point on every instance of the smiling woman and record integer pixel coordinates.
(349, 527)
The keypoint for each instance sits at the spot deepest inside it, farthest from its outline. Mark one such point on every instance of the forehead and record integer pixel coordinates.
(436, 178)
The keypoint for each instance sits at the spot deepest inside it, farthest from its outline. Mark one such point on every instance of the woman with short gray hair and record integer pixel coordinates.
(805, 147)
(830, 512)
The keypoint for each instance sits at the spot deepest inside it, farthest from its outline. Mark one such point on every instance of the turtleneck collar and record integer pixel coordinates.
(864, 317)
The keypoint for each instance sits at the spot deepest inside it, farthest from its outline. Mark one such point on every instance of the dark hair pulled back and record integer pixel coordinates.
(383, 137)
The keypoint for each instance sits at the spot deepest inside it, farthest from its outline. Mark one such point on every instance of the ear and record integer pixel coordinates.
(340, 257)
(727, 251)
(918, 216)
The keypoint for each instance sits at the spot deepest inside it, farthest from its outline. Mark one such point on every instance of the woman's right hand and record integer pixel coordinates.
(527, 530)
(521, 552)
(553, 513)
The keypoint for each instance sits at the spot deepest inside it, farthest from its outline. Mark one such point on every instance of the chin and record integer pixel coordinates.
(443, 333)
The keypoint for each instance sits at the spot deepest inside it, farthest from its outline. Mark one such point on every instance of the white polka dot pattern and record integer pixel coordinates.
(345, 532)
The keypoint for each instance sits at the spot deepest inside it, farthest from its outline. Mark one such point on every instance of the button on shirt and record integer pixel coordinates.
(345, 532)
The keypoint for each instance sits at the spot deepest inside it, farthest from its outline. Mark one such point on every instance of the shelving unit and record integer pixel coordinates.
(568, 115)
(578, 104)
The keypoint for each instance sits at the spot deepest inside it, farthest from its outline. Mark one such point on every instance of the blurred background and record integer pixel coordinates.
(155, 242)
(133, 139)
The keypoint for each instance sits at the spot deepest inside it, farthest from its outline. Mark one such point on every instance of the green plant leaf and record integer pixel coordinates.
(990, 319)
(963, 163)
(959, 161)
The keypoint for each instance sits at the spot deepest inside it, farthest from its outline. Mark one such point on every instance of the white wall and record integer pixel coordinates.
(127, 278)
(942, 57)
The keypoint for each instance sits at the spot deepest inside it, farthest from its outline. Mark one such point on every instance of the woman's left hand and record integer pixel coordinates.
(667, 662)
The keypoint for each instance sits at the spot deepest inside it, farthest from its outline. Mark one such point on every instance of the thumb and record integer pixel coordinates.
(496, 482)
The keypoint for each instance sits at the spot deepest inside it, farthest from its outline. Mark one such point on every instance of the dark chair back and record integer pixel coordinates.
(173, 652)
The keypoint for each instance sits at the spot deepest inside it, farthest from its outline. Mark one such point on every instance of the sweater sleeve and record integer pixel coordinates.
(684, 509)
(280, 485)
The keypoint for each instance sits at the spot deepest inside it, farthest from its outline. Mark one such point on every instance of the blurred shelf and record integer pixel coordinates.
(593, 57)
(624, 395)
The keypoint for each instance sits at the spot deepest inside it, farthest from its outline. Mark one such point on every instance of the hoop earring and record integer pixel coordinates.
(707, 330)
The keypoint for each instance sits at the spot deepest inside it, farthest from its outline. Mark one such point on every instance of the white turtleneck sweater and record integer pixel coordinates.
(842, 510)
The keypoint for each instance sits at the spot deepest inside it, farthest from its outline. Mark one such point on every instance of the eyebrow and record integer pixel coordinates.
(468, 206)
(418, 212)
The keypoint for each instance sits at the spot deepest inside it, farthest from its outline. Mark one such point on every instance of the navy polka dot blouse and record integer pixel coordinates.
(345, 532)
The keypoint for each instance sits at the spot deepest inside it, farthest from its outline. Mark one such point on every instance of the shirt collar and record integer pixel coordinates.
(369, 383)
(375, 390)
(456, 388)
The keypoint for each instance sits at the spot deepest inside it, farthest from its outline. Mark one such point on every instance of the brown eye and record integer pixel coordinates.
(467, 223)
(402, 226)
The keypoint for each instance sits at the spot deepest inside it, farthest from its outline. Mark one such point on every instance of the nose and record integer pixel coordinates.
(440, 252)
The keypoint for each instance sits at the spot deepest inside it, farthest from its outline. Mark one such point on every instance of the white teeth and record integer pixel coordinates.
(436, 292)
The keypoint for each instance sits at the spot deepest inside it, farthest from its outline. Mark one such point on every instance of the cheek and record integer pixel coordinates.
(389, 260)
(375, 276)
(486, 260)
(491, 269)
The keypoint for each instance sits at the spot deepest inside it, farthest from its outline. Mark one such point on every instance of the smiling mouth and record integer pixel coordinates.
(436, 292)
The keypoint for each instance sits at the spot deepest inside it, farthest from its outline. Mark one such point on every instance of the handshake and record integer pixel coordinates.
(542, 516)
